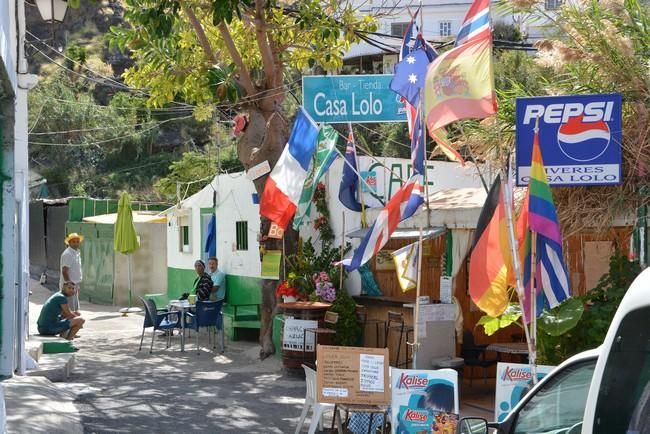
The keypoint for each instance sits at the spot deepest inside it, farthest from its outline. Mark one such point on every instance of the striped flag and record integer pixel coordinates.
(460, 84)
(491, 262)
(476, 23)
(402, 205)
(539, 215)
(284, 186)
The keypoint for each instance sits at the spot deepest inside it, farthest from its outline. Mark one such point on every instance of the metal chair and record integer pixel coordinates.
(159, 320)
(206, 314)
(397, 321)
(331, 318)
(474, 355)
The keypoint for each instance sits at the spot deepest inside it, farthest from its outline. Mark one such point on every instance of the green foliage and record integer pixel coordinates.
(506, 32)
(172, 64)
(347, 327)
(223, 83)
(600, 305)
(75, 55)
(194, 166)
(562, 318)
(492, 324)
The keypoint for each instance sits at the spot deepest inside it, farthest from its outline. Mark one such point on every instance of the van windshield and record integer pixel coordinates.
(623, 404)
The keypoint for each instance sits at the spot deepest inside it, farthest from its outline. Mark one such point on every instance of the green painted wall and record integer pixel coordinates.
(179, 281)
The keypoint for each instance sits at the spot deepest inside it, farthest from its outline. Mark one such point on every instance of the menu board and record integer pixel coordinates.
(352, 375)
(294, 332)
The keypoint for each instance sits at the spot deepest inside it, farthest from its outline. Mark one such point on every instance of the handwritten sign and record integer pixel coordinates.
(371, 373)
(276, 231)
(294, 331)
(352, 375)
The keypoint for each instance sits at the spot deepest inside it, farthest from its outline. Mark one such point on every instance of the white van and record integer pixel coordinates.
(601, 391)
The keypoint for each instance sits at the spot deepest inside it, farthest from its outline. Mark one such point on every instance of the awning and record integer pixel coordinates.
(402, 233)
(138, 217)
(386, 46)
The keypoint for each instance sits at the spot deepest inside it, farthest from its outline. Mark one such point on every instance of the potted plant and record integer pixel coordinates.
(287, 292)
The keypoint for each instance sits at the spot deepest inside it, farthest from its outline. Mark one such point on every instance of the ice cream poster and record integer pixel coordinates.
(424, 401)
(514, 380)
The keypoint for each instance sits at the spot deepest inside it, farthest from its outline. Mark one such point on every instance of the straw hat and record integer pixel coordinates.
(71, 236)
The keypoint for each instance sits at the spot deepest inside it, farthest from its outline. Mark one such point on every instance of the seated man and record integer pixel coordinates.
(203, 282)
(218, 280)
(56, 318)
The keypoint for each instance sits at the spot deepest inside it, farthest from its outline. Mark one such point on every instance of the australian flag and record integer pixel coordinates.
(349, 187)
(409, 76)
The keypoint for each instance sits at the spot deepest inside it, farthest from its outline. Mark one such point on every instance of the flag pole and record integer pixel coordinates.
(533, 302)
(416, 316)
(514, 251)
(342, 249)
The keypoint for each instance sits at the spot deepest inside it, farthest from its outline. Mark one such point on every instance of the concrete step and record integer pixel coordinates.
(36, 405)
(34, 349)
(54, 367)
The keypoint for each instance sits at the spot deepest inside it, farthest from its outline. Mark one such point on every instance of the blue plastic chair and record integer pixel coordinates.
(206, 314)
(159, 320)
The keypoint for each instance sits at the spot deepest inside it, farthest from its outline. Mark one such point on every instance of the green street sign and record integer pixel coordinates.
(351, 98)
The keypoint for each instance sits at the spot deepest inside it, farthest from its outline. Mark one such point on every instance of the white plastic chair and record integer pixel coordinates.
(310, 401)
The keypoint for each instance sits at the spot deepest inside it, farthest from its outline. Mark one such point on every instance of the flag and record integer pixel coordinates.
(324, 157)
(442, 140)
(409, 77)
(406, 265)
(408, 35)
(491, 261)
(460, 85)
(284, 185)
(539, 215)
(476, 23)
(417, 147)
(401, 206)
(349, 187)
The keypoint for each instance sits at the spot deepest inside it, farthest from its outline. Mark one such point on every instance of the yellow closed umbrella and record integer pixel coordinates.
(125, 239)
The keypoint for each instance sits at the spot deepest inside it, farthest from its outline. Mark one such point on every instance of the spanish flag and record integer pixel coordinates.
(460, 84)
(491, 261)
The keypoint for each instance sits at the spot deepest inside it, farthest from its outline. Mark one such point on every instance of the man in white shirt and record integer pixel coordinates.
(71, 268)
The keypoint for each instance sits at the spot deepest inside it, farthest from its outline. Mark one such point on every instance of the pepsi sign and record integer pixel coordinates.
(579, 136)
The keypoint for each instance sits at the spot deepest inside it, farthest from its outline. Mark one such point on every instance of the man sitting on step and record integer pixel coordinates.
(56, 318)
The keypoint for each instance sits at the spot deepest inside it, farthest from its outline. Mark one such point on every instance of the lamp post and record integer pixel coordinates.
(52, 10)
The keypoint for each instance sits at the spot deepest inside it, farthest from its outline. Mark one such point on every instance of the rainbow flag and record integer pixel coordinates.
(538, 214)
(460, 84)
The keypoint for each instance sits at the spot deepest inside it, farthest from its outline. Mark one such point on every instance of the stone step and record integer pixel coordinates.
(48, 342)
(54, 367)
(34, 349)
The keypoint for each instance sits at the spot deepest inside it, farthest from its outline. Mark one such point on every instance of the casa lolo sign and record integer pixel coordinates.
(351, 98)
(579, 136)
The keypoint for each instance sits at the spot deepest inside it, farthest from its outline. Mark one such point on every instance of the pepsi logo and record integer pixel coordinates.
(583, 141)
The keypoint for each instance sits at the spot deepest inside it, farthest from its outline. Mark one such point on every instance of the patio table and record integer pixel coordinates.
(517, 348)
(182, 306)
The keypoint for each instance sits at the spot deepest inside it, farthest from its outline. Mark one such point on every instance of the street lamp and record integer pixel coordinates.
(52, 10)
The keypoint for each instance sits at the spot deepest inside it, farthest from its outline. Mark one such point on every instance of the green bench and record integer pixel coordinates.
(242, 306)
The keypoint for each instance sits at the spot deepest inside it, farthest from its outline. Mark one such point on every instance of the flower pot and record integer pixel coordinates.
(289, 299)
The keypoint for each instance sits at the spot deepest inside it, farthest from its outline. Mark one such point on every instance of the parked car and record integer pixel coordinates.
(600, 391)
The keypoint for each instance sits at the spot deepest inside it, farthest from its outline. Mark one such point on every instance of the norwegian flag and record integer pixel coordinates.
(476, 23)
(402, 205)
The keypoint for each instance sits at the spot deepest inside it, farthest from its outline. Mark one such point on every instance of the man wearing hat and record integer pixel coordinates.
(71, 269)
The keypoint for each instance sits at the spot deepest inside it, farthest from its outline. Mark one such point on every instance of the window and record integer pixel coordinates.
(552, 5)
(241, 229)
(184, 238)
(624, 398)
(445, 28)
(560, 404)
(398, 29)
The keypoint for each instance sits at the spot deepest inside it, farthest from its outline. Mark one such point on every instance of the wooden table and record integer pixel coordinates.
(517, 348)
(303, 310)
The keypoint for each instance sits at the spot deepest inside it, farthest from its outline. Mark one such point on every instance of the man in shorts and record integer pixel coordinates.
(56, 318)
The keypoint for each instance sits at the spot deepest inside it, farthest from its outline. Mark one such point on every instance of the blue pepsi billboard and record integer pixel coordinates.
(579, 136)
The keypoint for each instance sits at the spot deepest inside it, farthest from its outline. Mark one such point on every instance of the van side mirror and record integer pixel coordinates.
(472, 425)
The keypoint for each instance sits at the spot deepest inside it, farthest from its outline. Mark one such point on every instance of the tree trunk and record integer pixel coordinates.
(264, 139)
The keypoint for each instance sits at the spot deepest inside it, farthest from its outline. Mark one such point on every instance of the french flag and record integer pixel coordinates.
(402, 205)
(284, 185)
(476, 23)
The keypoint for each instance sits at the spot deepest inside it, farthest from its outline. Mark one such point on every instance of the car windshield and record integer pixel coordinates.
(623, 404)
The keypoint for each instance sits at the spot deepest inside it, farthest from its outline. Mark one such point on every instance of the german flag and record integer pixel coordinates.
(491, 260)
